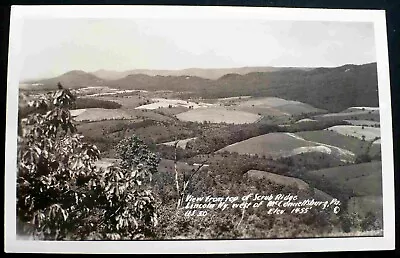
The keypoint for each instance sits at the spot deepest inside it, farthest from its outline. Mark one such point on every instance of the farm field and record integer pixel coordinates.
(370, 133)
(279, 179)
(262, 111)
(101, 91)
(181, 143)
(363, 108)
(364, 123)
(171, 111)
(128, 102)
(165, 103)
(287, 181)
(366, 204)
(306, 120)
(278, 145)
(362, 179)
(234, 98)
(352, 144)
(98, 114)
(218, 115)
(160, 133)
(350, 115)
(273, 144)
(269, 102)
(285, 107)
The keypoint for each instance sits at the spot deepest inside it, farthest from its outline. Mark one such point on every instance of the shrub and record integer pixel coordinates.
(62, 195)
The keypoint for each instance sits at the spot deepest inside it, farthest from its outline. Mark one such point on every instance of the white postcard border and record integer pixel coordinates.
(18, 13)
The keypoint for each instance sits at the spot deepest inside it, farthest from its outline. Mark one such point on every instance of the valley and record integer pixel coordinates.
(277, 130)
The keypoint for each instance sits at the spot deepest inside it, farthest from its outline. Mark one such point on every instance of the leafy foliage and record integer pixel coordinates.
(62, 195)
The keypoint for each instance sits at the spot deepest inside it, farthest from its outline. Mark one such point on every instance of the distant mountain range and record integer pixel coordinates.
(208, 73)
(72, 79)
(334, 89)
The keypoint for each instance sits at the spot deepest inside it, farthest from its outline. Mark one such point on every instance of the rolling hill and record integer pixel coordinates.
(332, 89)
(278, 145)
(363, 179)
(173, 83)
(72, 79)
(206, 73)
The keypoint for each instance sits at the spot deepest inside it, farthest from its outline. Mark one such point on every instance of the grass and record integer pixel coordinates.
(365, 204)
(218, 115)
(273, 144)
(357, 131)
(99, 114)
(333, 138)
(356, 115)
(171, 111)
(263, 111)
(296, 109)
(268, 101)
(181, 143)
(278, 145)
(277, 179)
(127, 101)
(364, 123)
(363, 179)
(151, 115)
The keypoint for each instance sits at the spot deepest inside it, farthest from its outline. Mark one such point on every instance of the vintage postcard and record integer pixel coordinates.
(156, 129)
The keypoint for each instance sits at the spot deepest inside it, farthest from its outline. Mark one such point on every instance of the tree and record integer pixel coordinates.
(183, 178)
(62, 195)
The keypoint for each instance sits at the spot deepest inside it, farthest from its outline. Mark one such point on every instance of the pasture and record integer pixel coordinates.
(99, 114)
(306, 120)
(128, 102)
(363, 108)
(218, 115)
(351, 115)
(272, 144)
(278, 145)
(277, 179)
(165, 103)
(181, 143)
(362, 179)
(352, 144)
(364, 204)
(364, 123)
(287, 181)
(283, 106)
(360, 132)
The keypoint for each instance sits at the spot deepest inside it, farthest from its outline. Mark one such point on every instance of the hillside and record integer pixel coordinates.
(173, 83)
(72, 79)
(332, 89)
(209, 73)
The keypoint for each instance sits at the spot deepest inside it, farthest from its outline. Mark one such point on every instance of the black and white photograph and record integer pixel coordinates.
(151, 126)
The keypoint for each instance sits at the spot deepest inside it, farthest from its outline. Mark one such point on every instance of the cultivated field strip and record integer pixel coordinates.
(285, 145)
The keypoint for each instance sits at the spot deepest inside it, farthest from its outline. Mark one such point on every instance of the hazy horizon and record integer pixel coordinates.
(53, 47)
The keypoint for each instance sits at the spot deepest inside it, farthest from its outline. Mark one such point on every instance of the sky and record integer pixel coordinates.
(51, 47)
